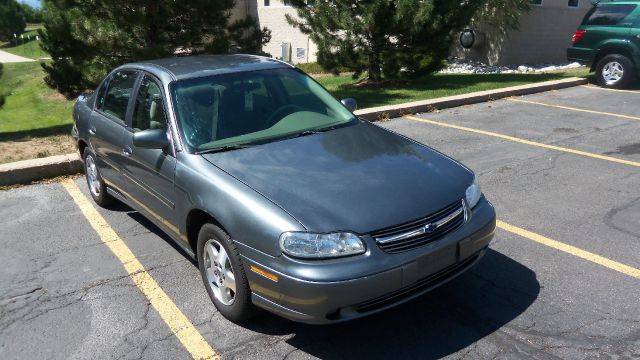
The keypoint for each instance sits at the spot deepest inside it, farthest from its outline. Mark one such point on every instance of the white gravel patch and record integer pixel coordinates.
(459, 66)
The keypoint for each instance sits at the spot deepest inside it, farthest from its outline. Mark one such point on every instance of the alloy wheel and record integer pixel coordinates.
(92, 176)
(612, 72)
(220, 277)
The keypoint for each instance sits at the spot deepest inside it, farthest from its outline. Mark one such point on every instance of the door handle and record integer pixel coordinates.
(92, 130)
(127, 151)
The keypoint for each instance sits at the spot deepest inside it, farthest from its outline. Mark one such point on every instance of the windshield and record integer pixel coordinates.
(250, 107)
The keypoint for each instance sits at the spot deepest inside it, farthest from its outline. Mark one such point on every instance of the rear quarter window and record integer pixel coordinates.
(608, 14)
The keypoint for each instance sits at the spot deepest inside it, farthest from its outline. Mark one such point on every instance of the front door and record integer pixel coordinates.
(635, 40)
(149, 173)
(107, 125)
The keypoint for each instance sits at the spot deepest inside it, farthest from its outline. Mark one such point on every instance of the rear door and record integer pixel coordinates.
(107, 124)
(149, 173)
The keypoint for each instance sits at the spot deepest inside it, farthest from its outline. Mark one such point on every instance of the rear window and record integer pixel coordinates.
(609, 14)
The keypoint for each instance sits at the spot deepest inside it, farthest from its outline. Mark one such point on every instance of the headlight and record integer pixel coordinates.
(473, 193)
(310, 245)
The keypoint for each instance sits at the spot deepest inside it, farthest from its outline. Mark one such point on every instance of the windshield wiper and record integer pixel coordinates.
(223, 148)
(313, 131)
(301, 134)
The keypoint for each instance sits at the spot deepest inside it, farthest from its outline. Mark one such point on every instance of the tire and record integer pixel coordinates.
(615, 71)
(97, 187)
(233, 302)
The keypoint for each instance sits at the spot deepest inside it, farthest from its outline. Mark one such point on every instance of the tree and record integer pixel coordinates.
(31, 14)
(87, 38)
(11, 20)
(503, 15)
(382, 37)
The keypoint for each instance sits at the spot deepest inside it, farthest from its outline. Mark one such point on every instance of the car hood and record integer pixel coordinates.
(358, 178)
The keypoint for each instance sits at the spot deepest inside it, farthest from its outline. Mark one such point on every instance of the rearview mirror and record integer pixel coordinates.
(350, 104)
(151, 139)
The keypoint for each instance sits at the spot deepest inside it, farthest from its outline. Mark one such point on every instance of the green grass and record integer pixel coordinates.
(434, 86)
(29, 48)
(31, 108)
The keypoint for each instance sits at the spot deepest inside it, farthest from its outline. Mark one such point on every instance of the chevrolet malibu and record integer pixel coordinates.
(287, 201)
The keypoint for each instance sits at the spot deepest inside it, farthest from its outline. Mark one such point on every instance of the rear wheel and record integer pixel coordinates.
(97, 187)
(223, 274)
(614, 71)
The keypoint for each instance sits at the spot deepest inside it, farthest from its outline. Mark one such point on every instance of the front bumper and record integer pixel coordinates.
(298, 295)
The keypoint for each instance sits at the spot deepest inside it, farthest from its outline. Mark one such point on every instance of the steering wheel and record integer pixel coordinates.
(283, 111)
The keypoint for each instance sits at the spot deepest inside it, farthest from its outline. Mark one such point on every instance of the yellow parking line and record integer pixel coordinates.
(528, 142)
(615, 90)
(179, 324)
(586, 255)
(628, 117)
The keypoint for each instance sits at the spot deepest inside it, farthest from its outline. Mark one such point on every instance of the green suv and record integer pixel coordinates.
(608, 40)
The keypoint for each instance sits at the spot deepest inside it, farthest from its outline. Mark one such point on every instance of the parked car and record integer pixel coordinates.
(608, 40)
(287, 200)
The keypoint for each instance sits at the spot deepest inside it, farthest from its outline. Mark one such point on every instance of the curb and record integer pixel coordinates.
(26, 171)
(392, 111)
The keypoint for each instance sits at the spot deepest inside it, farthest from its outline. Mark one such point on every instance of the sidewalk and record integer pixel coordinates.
(6, 57)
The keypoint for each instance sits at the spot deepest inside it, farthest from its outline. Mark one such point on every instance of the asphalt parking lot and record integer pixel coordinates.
(562, 279)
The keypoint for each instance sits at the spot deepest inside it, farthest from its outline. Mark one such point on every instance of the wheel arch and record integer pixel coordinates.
(196, 218)
(81, 146)
(612, 50)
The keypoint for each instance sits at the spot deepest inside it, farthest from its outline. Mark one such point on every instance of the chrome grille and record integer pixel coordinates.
(422, 231)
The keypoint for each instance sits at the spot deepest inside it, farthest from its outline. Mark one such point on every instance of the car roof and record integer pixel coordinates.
(187, 67)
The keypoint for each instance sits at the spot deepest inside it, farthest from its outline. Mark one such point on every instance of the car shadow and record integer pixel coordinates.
(452, 317)
(444, 321)
(147, 224)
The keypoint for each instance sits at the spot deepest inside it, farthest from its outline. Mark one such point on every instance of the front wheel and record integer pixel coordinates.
(223, 274)
(614, 71)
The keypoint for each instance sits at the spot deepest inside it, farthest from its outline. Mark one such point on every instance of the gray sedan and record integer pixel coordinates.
(287, 200)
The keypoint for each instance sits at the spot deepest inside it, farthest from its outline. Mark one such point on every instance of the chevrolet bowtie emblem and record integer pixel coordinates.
(430, 228)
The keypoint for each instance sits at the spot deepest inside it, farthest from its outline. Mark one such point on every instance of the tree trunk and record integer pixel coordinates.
(375, 73)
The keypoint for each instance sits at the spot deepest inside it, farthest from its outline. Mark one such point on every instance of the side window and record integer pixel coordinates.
(149, 108)
(100, 96)
(608, 14)
(118, 93)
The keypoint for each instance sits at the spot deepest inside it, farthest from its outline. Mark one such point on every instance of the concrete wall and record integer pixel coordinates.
(301, 48)
(240, 11)
(543, 36)
(273, 18)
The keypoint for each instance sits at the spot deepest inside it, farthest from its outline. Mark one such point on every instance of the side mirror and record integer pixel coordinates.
(151, 139)
(350, 104)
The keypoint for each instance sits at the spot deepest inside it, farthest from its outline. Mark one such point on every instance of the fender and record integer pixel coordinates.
(246, 215)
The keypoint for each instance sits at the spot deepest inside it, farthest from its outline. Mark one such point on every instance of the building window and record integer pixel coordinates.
(574, 3)
(536, 2)
(266, 2)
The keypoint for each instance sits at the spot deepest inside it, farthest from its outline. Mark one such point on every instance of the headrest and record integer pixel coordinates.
(203, 95)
